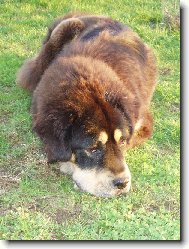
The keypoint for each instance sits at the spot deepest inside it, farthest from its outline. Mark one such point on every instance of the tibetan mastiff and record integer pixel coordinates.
(92, 84)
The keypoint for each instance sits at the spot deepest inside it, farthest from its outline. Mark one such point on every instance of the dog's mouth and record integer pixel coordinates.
(111, 192)
(98, 183)
(77, 186)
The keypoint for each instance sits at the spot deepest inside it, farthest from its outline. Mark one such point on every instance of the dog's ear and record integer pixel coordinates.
(56, 137)
(128, 107)
(57, 21)
(51, 28)
(58, 149)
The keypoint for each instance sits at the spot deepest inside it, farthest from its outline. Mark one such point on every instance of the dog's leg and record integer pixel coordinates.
(32, 70)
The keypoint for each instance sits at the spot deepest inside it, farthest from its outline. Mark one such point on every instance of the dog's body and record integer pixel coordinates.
(92, 85)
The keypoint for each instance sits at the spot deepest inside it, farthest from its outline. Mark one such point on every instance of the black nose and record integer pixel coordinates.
(120, 183)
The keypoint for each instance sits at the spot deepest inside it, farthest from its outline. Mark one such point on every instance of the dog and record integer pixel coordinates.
(92, 83)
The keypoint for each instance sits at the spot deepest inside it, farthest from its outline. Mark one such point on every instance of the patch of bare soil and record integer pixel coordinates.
(172, 22)
(165, 71)
(12, 169)
(67, 214)
(8, 181)
(56, 209)
(175, 107)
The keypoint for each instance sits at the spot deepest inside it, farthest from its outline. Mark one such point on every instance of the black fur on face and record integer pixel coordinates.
(88, 151)
(89, 158)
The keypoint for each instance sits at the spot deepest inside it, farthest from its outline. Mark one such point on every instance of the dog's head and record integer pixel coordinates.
(97, 160)
(87, 132)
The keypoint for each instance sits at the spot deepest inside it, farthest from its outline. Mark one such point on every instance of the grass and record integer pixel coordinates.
(36, 202)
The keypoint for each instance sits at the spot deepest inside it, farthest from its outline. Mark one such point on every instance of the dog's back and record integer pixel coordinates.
(97, 37)
(119, 47)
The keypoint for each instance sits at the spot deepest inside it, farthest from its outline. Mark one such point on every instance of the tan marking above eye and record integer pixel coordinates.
(117, 135)
(103, 137)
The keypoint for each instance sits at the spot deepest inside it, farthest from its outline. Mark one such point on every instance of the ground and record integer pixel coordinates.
(36, 201)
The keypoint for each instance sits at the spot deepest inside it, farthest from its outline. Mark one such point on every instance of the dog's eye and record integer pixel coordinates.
(92, 150)
(122, 141)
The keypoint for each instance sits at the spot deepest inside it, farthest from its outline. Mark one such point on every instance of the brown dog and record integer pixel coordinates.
(92, 85)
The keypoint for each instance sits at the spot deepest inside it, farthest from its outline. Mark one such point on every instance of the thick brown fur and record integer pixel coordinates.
(92, 74)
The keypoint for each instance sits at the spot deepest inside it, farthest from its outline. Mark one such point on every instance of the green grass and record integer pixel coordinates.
(36, 202)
